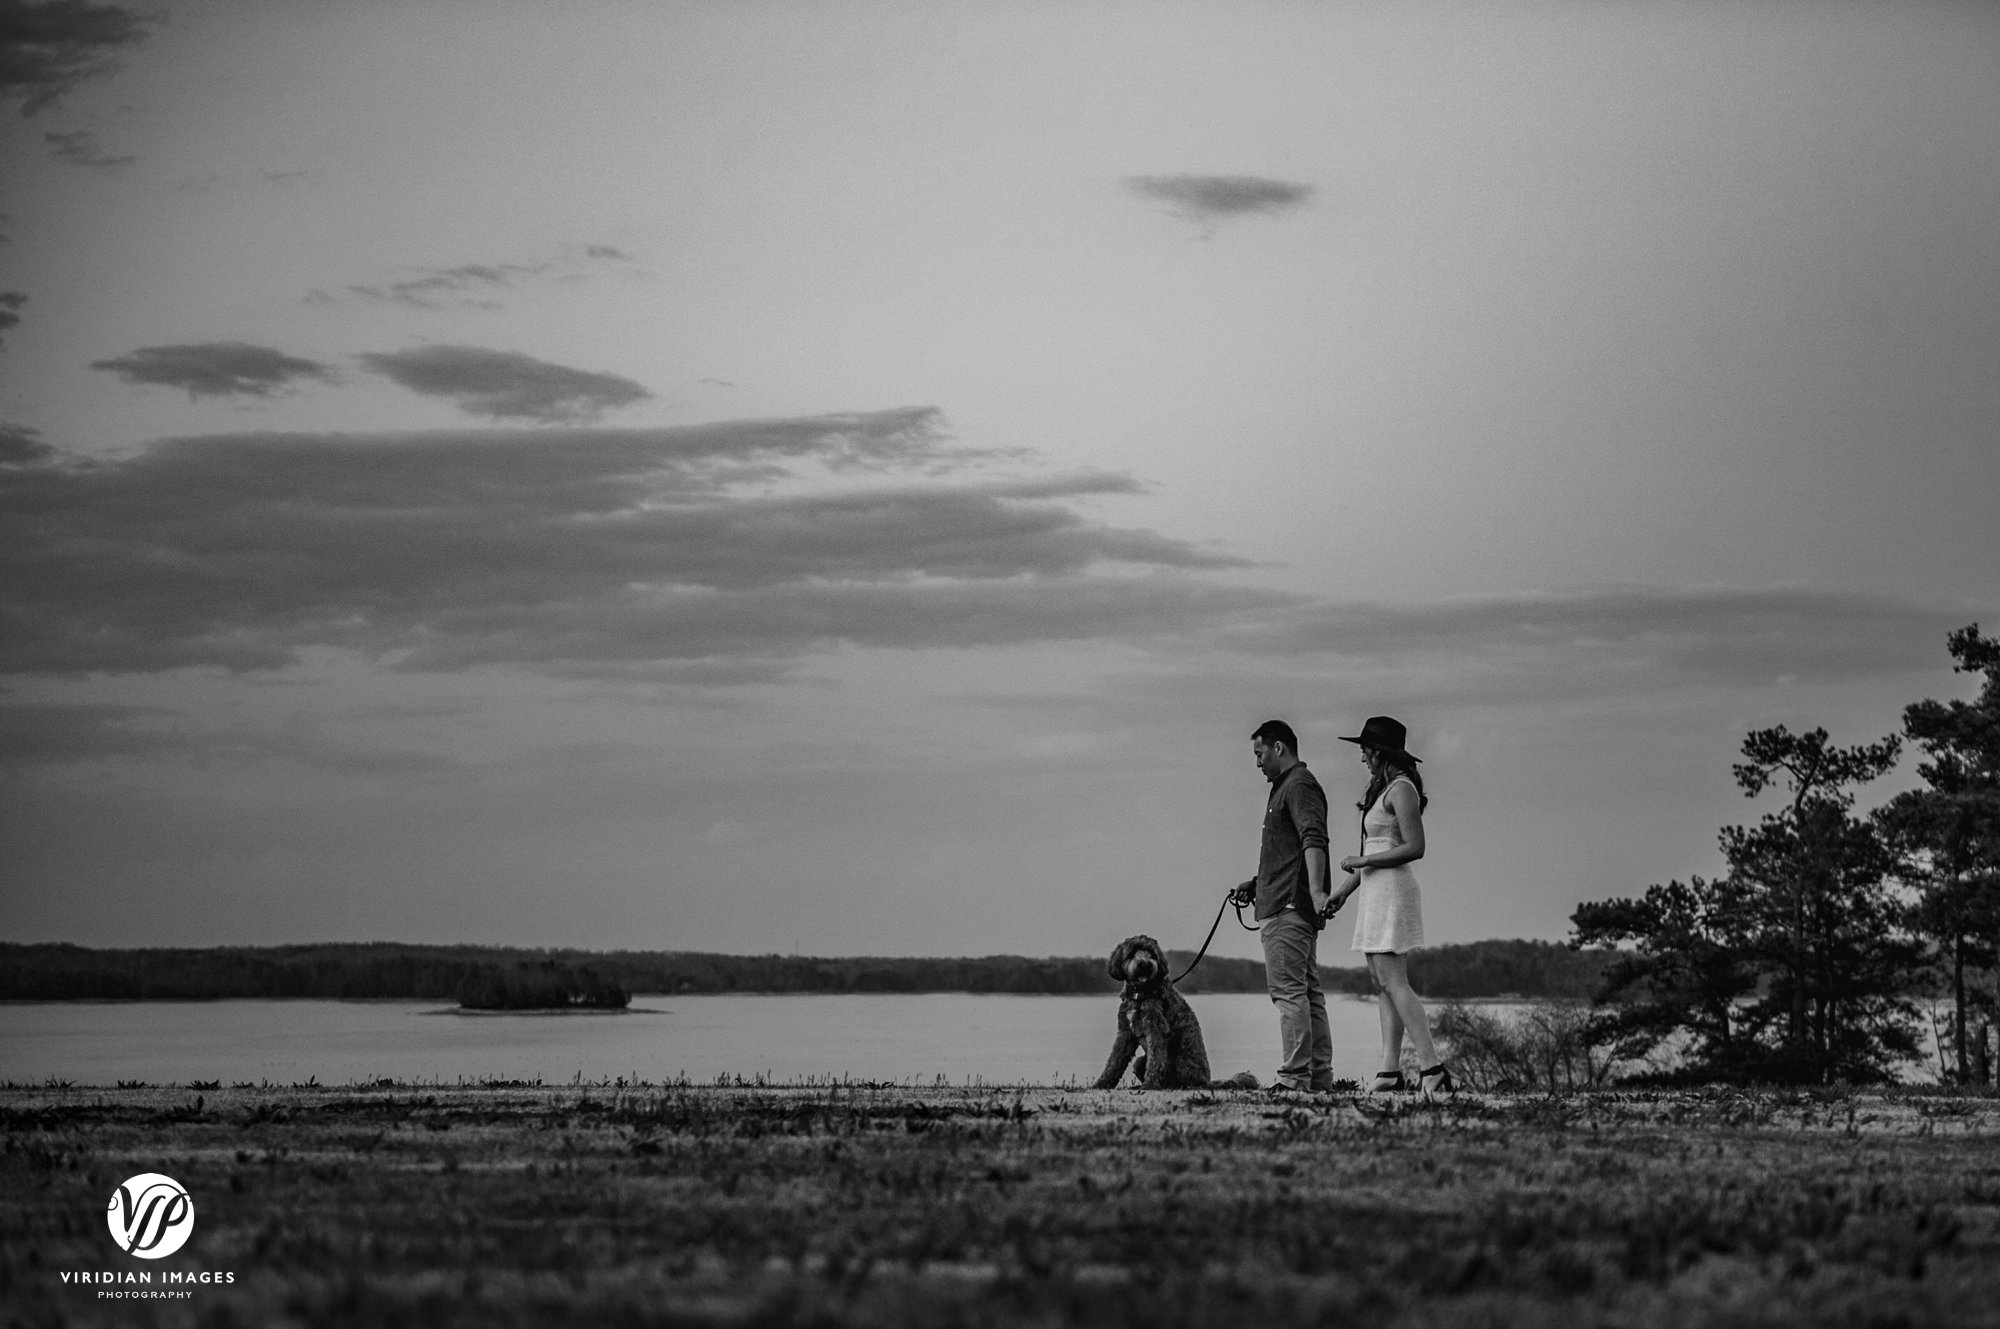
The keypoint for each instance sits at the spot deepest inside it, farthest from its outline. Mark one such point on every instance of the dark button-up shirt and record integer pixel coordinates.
(1294, 821)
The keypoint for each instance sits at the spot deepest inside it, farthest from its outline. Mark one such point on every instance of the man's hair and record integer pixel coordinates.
(1277, 731)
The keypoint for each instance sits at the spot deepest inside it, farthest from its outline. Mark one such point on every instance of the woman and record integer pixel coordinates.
(1389, 922)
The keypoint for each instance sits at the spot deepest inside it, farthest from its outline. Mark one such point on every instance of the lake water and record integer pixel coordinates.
(963, 1037)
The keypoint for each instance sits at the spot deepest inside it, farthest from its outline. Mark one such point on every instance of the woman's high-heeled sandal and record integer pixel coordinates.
(1436, 1080)
(1389, 1082)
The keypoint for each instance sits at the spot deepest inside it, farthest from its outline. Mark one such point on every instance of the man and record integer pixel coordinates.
(1291, 892)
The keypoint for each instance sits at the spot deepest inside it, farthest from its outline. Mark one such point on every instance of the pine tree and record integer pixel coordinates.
(1795, 966)
(1678, 984)
(1809, 887)
(1951, 834)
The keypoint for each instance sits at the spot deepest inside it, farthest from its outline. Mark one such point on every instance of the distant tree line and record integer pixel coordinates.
(485, 976)
(1806, 960)
(1502, 969)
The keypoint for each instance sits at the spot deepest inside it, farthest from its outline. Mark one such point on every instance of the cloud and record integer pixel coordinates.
(80, 148)
(47, 49)
(215, 369)
(22, 446)
(730, 552)
(436, 288)
(473, 285)
(10, 310)
(1207, 199)
(505, 385)
(574, 551)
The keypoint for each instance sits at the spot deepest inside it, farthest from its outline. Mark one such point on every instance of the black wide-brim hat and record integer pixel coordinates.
(1384, 734)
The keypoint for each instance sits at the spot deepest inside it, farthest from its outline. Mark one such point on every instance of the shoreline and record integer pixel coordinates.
(1503, 1000)
(1974, 1105)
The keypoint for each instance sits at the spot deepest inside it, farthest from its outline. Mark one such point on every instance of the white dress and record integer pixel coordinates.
(1390, 916)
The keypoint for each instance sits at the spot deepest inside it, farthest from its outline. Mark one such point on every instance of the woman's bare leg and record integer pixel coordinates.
(1392, 974)
(1391, 1025)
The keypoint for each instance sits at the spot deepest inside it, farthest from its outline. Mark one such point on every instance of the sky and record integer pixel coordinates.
(848, 478)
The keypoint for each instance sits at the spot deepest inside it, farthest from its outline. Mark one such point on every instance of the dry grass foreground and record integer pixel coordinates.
(850, 1204)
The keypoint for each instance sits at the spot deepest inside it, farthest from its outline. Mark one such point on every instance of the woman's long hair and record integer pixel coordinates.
(1393, 765)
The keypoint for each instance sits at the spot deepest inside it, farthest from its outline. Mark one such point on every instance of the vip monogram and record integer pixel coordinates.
(150, 1216)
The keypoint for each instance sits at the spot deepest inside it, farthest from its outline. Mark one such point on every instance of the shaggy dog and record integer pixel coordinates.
(1156, 1022)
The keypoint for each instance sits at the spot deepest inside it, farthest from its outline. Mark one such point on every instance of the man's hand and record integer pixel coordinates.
(1245, 893)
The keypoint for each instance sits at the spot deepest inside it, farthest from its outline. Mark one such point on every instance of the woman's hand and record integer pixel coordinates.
(1352, 863)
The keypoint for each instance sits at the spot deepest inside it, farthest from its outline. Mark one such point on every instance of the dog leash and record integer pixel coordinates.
(1228, 898)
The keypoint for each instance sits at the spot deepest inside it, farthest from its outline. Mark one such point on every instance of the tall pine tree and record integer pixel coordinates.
(1795, 965)
(1951, 833)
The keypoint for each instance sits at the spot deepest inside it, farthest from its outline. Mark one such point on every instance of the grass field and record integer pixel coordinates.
(609, 1205)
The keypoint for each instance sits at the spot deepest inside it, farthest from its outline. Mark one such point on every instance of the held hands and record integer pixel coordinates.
(1338, 896)
(1324, 903)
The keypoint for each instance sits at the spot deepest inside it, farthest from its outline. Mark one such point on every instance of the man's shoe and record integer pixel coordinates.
(1281, 1089)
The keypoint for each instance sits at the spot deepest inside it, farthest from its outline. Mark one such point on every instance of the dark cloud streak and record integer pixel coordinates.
(47, 49)
(474, 285)
(439, 287)
(215, 369)
(737, 549)
(22, 446)
(1207, 199)
(505, 385)
(569, 550)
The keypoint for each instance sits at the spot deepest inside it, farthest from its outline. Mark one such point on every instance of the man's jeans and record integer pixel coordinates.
(1291, 972)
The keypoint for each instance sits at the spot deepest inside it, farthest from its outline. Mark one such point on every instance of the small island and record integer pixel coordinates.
(548, 986)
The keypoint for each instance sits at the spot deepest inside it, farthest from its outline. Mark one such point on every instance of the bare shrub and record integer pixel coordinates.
(1546, 1048)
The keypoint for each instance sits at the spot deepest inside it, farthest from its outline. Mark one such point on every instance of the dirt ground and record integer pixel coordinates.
(853, 1204)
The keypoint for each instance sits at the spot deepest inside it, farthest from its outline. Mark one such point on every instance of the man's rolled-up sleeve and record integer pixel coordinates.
(1308, 808)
